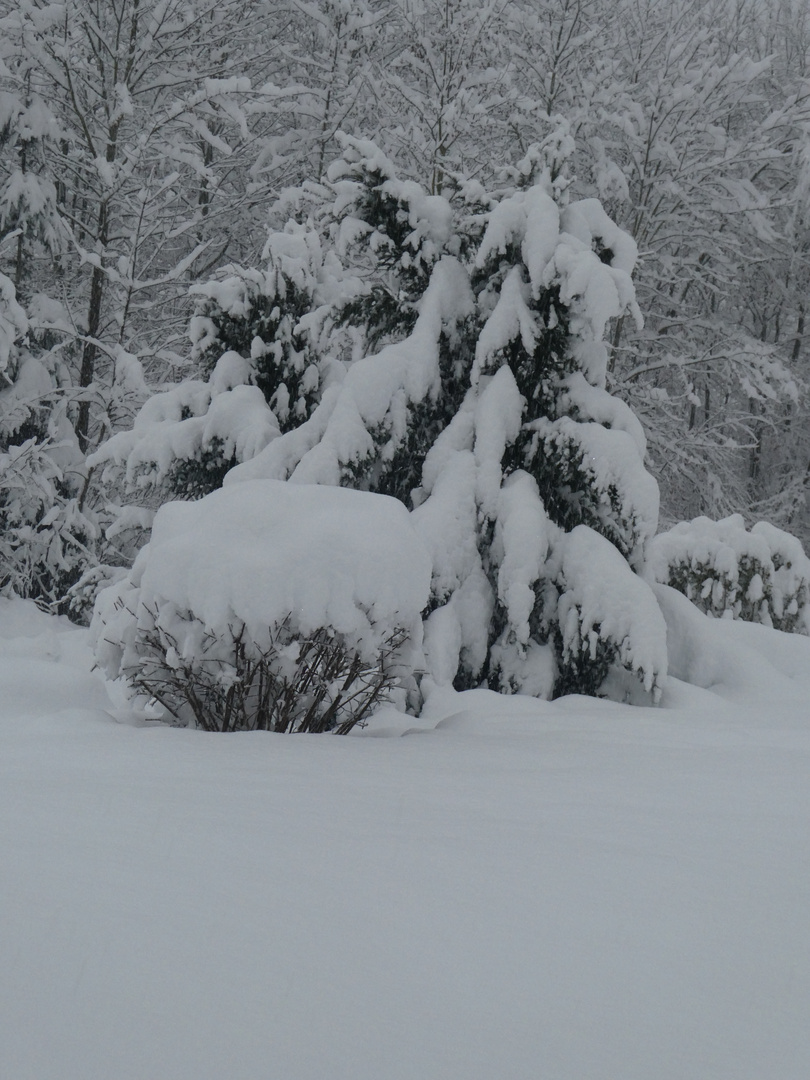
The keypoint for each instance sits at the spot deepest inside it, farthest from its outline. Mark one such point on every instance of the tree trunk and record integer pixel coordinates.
(90, 351)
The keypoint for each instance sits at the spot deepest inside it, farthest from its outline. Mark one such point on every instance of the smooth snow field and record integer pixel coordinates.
(511, 890)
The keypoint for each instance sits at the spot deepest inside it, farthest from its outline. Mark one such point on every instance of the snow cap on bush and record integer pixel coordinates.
(264, 552)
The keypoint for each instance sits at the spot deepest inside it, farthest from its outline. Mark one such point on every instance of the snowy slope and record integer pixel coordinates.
(512, 890)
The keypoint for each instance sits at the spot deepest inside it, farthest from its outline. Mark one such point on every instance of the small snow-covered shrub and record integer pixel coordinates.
(759, 576)
(270, 606)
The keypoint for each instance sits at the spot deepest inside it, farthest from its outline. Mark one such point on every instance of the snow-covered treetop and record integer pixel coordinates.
(517, 265)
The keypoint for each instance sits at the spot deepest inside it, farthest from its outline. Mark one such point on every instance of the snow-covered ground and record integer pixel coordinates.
(514, 890)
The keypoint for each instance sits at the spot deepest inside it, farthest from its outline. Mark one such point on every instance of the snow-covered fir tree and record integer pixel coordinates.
(446, 350)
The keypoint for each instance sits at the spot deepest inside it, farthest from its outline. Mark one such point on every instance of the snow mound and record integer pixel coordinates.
(44, 664)
(34, 687)
(737, 661)
(263, 553)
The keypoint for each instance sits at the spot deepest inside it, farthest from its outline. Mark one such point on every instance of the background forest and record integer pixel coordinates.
(146, 144)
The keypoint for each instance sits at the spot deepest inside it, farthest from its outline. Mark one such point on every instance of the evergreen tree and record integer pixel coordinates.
(463, 340)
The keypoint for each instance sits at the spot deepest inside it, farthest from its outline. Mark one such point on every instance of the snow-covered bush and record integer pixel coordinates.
(458, 364)
(270, 606)
(760, 576)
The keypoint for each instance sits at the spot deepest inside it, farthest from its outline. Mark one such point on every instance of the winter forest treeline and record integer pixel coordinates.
(146, 144)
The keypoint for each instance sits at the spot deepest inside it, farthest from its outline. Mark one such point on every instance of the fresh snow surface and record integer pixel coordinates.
(513, 890)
